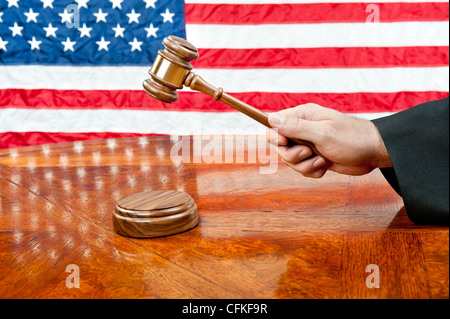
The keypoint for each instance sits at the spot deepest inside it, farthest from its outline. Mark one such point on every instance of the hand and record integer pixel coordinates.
(348, 145)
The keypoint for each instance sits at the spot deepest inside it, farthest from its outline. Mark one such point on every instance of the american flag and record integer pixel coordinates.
(73, 70)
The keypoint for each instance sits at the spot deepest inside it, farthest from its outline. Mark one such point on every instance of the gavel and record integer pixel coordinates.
(172, 70)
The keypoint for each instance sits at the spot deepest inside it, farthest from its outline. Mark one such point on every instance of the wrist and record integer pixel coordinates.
(381, 158)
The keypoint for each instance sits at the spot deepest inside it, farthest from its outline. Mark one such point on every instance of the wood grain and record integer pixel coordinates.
(156, 203)
(399, 257)
(155, 213)
(259, 235)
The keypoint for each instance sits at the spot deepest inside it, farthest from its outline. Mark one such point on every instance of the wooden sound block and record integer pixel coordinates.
(155, 214)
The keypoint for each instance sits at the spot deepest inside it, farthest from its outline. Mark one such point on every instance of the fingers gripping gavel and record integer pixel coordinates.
(172, 69)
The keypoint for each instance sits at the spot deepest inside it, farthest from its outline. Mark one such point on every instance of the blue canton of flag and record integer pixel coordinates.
(87, 32)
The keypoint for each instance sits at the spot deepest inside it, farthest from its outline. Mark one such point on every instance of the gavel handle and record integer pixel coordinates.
(196, 83)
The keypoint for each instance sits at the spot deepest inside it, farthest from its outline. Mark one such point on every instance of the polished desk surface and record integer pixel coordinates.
(274, 235)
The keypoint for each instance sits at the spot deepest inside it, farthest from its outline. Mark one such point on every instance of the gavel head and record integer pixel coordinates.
(170, 69)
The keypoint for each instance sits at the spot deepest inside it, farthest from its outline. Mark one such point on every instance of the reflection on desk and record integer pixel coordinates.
(276, 235)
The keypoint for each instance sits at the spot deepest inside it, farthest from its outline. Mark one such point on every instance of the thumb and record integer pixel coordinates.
(294, 127)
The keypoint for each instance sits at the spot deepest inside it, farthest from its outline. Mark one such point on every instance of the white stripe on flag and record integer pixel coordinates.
(394, 34)
(143, 122)
(236, 80)
(330, 80)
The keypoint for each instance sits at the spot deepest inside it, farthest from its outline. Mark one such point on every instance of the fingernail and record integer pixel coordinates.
(302, 154)
(319, 162)
(276, 119)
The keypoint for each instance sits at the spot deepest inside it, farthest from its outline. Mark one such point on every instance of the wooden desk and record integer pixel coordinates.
(274, 235)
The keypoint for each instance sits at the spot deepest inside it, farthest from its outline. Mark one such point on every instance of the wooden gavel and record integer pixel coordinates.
(172, 69)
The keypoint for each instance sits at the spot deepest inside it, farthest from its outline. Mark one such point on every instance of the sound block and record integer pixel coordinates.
(155, 214)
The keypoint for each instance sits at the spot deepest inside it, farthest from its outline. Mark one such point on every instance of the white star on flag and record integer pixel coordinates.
(101, 16)
(3, 44)
(85, 31)
(12, 3)
(102, 44)
(47, 3)
(150, 3)
(31, 16)
(16, 30)
(119, 31)
(1, 13)
(133, 16)
(50, 31)
(68, 45)
(66, 16)
(167, 16)
(151, 31)
(35, 44)
(135, 45)
(82, 3)
(116, 3)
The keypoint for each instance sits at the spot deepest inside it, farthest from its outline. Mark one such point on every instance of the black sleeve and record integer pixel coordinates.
(417, 142)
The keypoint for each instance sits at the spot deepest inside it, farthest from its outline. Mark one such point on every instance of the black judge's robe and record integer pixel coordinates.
(417, 142)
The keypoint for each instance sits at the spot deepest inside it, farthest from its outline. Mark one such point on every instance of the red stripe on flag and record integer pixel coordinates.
(343, 102)
(194, 101)
(19, 139)
(323, 57)
(312, 13)
(77, 99)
